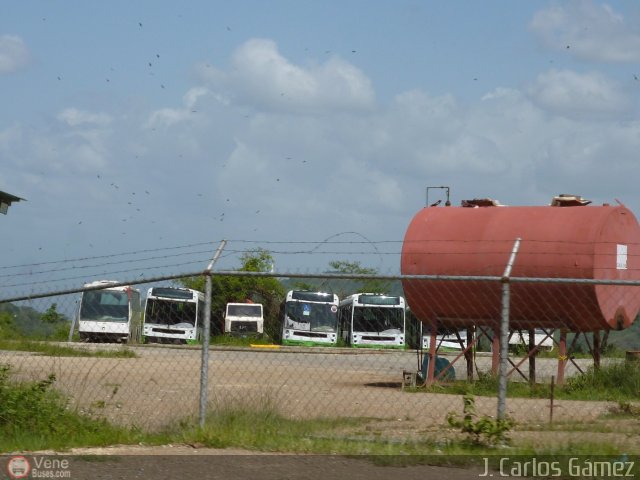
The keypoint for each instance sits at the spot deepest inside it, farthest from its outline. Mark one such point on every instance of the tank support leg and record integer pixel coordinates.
(469, 353)
(532, 356)
(432, 354)
(597, 347)
(562, 356)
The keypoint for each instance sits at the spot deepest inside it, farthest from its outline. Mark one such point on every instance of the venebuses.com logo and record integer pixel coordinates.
(18, 467)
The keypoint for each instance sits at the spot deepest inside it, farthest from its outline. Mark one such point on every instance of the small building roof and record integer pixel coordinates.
(6, 199)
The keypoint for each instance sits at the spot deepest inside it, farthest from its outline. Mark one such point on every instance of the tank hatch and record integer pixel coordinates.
(566, 200)
(480, 202)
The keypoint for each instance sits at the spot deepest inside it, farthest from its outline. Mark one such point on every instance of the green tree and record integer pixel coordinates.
(7, 325)
(224, 289)
(52, 316)
(304, 285)
(359, 286)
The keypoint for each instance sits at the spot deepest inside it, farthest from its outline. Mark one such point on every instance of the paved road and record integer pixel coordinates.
(176, 462)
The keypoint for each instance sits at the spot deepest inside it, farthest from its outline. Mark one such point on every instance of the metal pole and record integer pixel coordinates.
(504, 333)
(74, 321)
(204, 366)
(551, 397)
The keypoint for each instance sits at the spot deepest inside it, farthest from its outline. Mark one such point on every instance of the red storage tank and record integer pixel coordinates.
(586, 242)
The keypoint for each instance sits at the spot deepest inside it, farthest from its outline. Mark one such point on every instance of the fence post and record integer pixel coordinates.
(74, 321)
(504, 333)
(204, 365)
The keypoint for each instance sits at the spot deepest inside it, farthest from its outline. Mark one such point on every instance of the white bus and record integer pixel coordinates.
(309, 318)
(543, 339)
(372, 320)
(111, 313)
(446, 341)
(173, 315)
(244, 319)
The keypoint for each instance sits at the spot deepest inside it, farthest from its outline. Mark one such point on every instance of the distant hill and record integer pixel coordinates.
(18, 321)
(628, 339)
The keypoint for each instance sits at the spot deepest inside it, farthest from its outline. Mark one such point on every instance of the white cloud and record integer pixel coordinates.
(74, 117)
(437, 135)
(166, 117)
(192, 96)
(374, 168)
(568, 93)
(261, 76)
(14, 54)
(355, 166)
(590, 31)
(80, 144)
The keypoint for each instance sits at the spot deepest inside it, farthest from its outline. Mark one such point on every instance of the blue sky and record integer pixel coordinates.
(150, 125)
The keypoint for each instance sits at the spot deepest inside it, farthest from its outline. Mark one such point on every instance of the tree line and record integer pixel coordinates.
(270, 292)
(27, 322)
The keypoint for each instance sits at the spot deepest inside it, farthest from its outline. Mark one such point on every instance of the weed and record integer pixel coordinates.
(484, 430)
(54, 350)
(626, 409)
(618, 381)
(33, 416)
(229, 340)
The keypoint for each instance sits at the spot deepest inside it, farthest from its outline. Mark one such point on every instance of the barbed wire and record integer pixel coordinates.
(489, 279)
(229, 253)
(104, 256)
(99, 265)
(154, 259)
(313, 251)
(118, 272)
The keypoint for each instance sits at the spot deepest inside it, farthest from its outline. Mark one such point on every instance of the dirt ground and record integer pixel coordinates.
(162, 386)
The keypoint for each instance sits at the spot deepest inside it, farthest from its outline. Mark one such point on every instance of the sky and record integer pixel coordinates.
(141, 134)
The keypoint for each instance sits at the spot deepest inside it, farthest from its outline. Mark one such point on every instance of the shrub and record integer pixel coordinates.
(619, 380)
(481, 431)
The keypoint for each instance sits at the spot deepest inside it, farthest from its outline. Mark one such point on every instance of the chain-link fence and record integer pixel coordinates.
(134, 354)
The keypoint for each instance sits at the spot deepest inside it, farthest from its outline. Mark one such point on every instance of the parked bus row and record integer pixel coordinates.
(109, 312)
(372, 320)
(114, 313)
(359, 320)
(176, 315)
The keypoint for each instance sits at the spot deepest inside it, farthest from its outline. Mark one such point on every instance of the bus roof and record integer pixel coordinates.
(107, 284)
(174, 293)
(374, 299)
(310, 296)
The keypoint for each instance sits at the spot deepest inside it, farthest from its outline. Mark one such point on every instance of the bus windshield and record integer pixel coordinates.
(105, 306)
(314, 317)
(245, 310)
(163, 312)
(376, 319)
